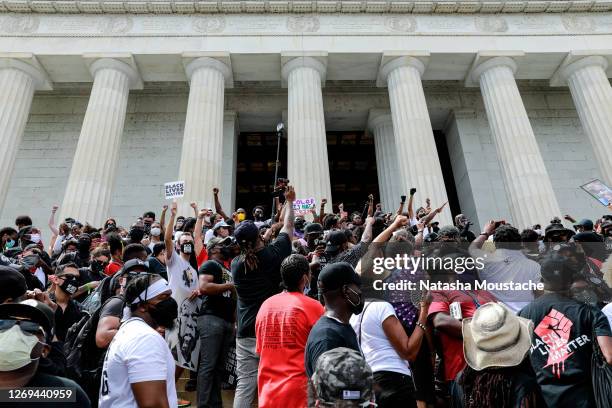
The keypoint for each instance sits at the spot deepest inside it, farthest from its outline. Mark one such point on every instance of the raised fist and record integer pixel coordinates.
(215, 191)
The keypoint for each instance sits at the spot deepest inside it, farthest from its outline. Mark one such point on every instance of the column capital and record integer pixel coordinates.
(396, 62)
(316, 61)
(593, 60)
(219, 61)
(493, 63)
(119, 62)
(28, 64)
(377, 117)
(486, 60)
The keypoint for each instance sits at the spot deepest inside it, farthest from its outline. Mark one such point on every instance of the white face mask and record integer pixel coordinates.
(156, 232)
(16, 348)
(35, 238)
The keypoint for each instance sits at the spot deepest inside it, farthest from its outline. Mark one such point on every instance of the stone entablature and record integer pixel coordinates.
(301, 6)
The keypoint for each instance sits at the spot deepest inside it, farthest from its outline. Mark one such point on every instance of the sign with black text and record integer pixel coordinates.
(174, 189)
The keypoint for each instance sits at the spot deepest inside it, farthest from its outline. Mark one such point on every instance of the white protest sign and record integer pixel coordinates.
(174, 189)
(303, 205)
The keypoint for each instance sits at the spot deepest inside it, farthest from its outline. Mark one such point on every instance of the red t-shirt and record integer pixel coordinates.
(112, 268)
(203, 257)
(452, 347)
(282, 327)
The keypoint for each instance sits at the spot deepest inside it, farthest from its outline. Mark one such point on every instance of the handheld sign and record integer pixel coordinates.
(302, 206)
(174, 189)
(598, 190)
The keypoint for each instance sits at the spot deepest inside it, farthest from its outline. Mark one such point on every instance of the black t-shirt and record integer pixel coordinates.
(46, 380)
(253, 287)
(113, 307)
(327, 334)
(562, 346)
(222, 305)
(64, 319)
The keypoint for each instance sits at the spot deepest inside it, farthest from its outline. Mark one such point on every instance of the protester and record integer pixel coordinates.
(65, 283)
(498, 373)
(564, 336)
(283, 324)
(25, 335)
(139, 368)
(339, 286)
(256, 274)
(215, 322)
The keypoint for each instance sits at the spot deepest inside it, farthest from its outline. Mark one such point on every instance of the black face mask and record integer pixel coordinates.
(70, 285)
(97, 266)
(356, 307)
(187, 248)
(165, 312)
(84, 245)
(226, 252)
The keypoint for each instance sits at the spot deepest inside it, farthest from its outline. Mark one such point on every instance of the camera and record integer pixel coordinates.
(279, 188)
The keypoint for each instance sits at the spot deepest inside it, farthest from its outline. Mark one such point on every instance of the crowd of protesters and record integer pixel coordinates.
(284, 311)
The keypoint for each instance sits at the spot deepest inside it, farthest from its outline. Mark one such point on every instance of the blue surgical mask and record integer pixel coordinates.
(9, 244)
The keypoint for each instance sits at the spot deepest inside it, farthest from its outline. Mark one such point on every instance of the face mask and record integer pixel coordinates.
(70, 285)
(97, 266)
(241, 217)
(35, 238)
(207, 219)
(165, 312)
(187, 248)
(9, 244)
(356, 308)
(156, 232)
(84, 245)
(16, 348)
(30, 261)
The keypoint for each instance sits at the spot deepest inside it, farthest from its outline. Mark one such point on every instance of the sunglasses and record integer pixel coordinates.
(26, 326)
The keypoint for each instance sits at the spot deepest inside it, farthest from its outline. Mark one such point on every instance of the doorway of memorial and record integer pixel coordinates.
(352, 168)
(255, 169)
(447, 173)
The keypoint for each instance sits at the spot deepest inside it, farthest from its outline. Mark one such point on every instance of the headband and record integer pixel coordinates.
(155, 289)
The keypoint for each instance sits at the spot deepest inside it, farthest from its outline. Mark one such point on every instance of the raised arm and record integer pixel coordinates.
(218, 208)
(399, 222)
(432, 214)
(489, 229)
(162, 218)
(197, 233)
(367, 231)
(322, 209)
(289, 217)
(410, 203)
(400, 210)
(52, 225)
(169, 234)
(194, 206)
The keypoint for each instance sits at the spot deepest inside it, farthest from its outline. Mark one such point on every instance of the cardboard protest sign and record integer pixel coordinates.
(303, 205)
(598, 190)
(174, 189)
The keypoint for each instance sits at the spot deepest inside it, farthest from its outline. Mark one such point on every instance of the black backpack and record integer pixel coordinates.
(83, 357)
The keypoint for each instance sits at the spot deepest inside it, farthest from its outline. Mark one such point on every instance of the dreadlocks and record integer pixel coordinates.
(247, 255)
(487, 388)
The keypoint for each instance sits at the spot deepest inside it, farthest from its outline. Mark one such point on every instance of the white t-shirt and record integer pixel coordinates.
(376, 348)
(208, 236)
(137, 354)
(607, 310)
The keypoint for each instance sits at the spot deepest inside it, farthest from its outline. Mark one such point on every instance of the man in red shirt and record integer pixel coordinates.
(282, 327)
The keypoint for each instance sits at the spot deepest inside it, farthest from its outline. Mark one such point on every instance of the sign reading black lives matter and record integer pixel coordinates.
(599, 191)
(174, 189)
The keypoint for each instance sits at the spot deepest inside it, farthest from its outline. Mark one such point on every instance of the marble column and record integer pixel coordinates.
(592, 95)
(381, 125)
(307, 163)
(92, 175)
(202, 151)
(526, 181)
(18, 81)
(418, 162)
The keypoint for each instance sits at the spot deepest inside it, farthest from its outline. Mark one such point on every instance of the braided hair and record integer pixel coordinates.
(248, 256)
(487, 388)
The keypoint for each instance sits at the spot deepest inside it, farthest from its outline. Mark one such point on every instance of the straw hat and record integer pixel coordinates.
(495, 337)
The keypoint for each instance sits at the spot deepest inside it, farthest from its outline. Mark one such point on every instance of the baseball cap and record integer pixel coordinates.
(216, 241)
(585, 223)
(342, 374)
(247, 231)
(448, 231)
(557, 272)
(334, 240)
(334, 276)
(31, 310)
(135, 263)
(221, 224)
(12, 284)
(313, 228)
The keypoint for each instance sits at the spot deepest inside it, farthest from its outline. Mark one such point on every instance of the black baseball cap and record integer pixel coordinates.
(313, 228)
(31, 310)
(334, 240)
(585, 223)
(135, 263)
(12, 284)
(334, 276)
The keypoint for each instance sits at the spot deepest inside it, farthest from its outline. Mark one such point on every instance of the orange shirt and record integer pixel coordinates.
(282, 327)
(112, 268)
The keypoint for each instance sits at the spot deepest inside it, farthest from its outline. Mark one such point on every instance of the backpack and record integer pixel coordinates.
(83, 357)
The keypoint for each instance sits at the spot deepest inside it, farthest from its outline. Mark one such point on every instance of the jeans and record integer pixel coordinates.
(247, 362)
(394, 390)
(216, 335)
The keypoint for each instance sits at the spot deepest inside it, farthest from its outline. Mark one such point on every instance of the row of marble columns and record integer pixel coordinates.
(405, 147)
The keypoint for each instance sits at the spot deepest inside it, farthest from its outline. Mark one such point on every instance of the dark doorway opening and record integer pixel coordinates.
(255, 172)
(352, 168)
(447, 172)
